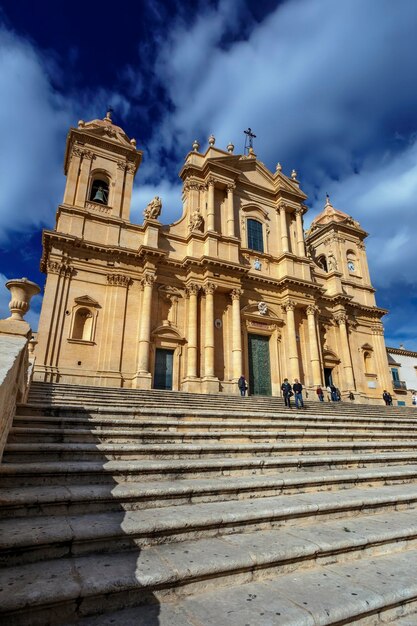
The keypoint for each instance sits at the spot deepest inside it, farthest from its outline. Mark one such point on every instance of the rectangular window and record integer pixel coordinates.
(395, 375)
(255, 237)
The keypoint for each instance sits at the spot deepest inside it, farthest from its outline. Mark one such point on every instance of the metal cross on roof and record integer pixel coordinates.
(250, 136)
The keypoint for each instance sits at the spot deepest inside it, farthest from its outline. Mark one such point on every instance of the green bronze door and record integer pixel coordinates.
(163, 369)
(259, 366)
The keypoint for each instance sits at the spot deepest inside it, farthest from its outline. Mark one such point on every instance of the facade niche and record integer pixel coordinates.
(322, 262)
(83, 325)
(351, 261)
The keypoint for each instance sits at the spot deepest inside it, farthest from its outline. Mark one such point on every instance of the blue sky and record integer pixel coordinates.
(329, 88)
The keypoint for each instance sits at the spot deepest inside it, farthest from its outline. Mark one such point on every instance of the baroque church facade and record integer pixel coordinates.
(234, 287)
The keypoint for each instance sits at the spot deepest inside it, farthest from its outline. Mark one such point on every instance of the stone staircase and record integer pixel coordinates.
(163, 508)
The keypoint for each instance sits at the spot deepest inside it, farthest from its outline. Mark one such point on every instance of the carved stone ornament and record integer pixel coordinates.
(340, 318)
(148, 279)
(77, 151)
(209, 288)
(53, 267)
(236, 294)
(218, 323)
(87, 154)
(153, 210)
(331, 262)
(262, 308)
(312, 309)
(231, 187)
(289, 306)
(21, 290)
(121, 165)
(193, 289)
(196, 221)
(119, 280)
(377, 329)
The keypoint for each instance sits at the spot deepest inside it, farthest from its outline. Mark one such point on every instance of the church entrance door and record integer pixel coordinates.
(163, 369)
(259, 365)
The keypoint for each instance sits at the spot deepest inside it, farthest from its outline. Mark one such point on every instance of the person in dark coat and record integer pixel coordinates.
(320, 394)
(242, 384)
(286, 392)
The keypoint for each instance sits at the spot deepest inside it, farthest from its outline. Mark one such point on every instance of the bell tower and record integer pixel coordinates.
(100, 165)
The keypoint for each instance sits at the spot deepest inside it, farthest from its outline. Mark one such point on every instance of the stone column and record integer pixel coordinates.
(230, 211)
(284, 229)
(192, 350)
(209, 290)
(145, 324)
(127, 192)
(292, 341)
(314, 348)
(236, 335)
(82, 188)
(300, 233)
(383, 372)
(72, 177)
(340, 318)
(210, 204)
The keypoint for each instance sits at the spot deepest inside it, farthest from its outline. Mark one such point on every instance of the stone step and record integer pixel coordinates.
(330, 595)
(25, 540)
(194, 572)
(179, 424)
(127, 435)
(55, 473)
(75, 499)
(40, 452)
(164, 412)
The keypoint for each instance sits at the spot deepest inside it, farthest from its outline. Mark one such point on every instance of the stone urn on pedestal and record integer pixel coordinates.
(22, 290)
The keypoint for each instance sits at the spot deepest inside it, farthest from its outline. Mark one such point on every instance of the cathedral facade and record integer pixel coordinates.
(234, 287)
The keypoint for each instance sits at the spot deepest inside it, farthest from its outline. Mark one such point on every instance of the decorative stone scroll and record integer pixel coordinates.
(236, 294)
(209, 288)
(340, 317)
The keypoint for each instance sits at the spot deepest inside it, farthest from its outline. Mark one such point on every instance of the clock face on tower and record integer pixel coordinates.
(351, 266)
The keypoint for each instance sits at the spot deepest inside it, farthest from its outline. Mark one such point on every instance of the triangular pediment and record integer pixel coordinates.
(87, 301)
(285, 184)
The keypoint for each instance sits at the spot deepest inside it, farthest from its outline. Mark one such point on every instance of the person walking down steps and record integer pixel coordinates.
(298, 394)
(286, 392)
(243, 385)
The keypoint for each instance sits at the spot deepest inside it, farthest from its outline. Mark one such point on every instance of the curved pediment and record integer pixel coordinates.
(168, 331)
(87, 301)
(330, 357)
(256, 310)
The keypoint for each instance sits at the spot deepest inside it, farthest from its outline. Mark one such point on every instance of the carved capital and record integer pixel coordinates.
(340, 318)
(130, 168)
(231, 187)
(148, 279)
(193, 289)
(77, 151)
(299, 211)
(209, 288)
(119, 280)
(312, 309)
(377, 329)
(121, 165)
(289, 306)
(53, 267)
(211, 181)
(236, 294)
(87, 154)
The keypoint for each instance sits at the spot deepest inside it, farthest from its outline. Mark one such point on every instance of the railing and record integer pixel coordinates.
(399, 384)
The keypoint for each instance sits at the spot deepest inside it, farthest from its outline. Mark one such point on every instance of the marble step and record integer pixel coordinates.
(40, 452)
(180, 424)
(193, 573)
(75, 499)
(27, 540)
(56, 473)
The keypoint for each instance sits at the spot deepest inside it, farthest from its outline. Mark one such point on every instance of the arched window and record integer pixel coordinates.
(99, 191)
(255, 236)
(83, 325)
(322, 262)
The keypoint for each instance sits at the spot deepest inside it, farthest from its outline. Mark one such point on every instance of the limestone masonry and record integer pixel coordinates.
(234, 286)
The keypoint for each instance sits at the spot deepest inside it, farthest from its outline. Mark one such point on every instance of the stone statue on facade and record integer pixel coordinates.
(153, 210)
(331, 262)
(196, 221)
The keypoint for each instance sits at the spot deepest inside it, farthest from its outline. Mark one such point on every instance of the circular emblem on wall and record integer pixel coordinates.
(218, 323)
